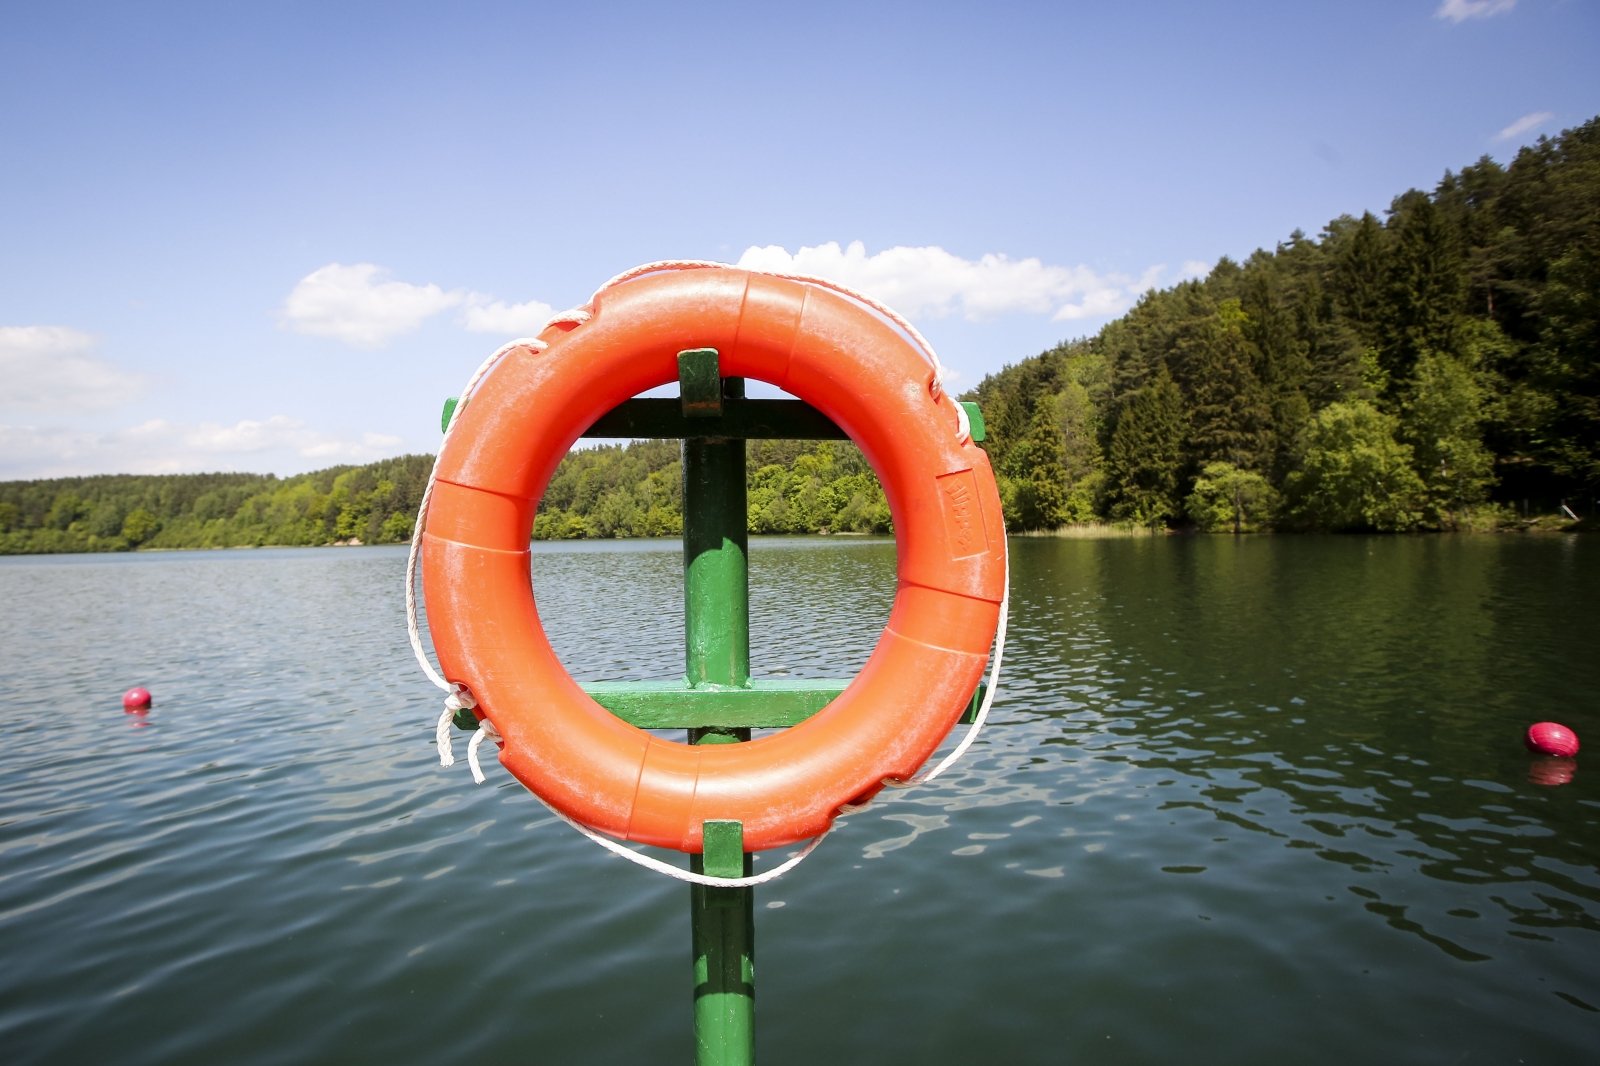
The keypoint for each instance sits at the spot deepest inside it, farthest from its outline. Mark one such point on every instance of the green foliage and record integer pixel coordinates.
(1355, 475)
(619, 490)
(1036, 470)
(1466, 322)
(139, 526)
(825, 488)
(1422, 369)
(1229, 416)
(1226, 498)
(1145, 455)
(1444, 426)
(372, 504)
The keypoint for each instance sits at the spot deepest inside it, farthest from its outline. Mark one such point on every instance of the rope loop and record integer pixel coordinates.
(677, 873)
(441, 737)
(486, 730)
(459, 700)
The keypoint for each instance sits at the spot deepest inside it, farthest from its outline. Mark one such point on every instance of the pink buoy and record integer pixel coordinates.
(136, 700)
(1552, 738)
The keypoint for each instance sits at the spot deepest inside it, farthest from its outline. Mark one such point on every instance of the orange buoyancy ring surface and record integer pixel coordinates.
(949, 537)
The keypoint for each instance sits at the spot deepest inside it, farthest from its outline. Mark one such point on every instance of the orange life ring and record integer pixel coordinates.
(950, 545)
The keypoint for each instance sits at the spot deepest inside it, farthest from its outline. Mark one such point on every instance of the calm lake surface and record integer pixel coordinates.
(1241, 802)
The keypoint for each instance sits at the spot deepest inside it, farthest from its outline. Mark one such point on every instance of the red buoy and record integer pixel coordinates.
(1552, 738)
(136, 700)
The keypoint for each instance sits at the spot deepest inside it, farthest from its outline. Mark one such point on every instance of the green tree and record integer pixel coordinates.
(1146, 453)
(1036, 473)
(1078, 416)
(396, 528)
(1358, 253)
(1228, 415)
(67, 509)
(1443, 423)
(1226, 497)
(1426, 284)
(1570, 363)
(1355, 475)
(140, 526)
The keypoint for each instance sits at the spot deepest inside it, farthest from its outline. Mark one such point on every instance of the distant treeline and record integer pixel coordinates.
(636, 490)
(371, 504)
(623, 490)
(1426, 370)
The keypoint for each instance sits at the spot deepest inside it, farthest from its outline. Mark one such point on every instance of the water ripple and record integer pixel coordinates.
(1222, 776)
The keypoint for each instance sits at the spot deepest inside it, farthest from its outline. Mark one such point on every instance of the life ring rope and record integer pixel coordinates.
(459, 697)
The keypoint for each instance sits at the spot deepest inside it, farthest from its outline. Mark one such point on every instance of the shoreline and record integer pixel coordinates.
(1078, 531)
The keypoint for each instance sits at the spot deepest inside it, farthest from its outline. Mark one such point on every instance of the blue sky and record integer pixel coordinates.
(274, 236)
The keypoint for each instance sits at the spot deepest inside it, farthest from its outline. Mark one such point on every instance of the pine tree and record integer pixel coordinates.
(1426, 282)
(1146, 453)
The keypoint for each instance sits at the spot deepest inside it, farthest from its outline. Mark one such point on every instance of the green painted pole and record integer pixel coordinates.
(724, 935)
(716, 583)
(716, 619)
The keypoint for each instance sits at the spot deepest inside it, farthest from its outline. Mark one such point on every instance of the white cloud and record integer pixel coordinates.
(1524, 125)
(280, 443)
(364, 307)
(280, 432)
(53, 368)
(360, 306)
(484, 315)
(931, 282)
(1461, 10)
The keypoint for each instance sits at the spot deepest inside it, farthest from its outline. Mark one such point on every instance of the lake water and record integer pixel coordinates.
(1242, 801)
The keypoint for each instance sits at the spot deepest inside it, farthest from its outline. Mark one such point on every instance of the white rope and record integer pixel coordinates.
(678, 873)
(485, 729)
(458, 700)
(458, 697)
(441, 736)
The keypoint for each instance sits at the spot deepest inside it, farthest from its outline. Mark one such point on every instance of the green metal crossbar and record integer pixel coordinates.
(759, 705)
(679, 705)
(717, 702)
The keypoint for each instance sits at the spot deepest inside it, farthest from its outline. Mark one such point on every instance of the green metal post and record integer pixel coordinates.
(724, 936)
(717, 702)
(716, 583)
(717, 654)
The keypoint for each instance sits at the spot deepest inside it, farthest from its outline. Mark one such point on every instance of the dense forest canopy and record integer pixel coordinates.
(1430, 369)
(1435, 368)
(614, 490)
(367, 504)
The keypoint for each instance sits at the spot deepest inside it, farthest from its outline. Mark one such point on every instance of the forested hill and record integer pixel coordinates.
(619, 490)
(1436, 368)
(373, 503)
